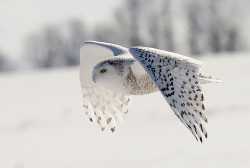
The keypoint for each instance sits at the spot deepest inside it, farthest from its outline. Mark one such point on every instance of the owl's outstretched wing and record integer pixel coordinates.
(177, 78)
(101, 104)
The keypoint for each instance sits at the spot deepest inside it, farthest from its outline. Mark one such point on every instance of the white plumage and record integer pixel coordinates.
(109, 74)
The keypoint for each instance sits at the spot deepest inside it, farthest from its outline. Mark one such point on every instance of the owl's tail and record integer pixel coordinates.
(204, 79)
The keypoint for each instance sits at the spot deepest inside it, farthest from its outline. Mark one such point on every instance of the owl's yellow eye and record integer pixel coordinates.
(103, 70)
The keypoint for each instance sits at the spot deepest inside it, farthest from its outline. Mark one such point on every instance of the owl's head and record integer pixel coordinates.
(112, 73)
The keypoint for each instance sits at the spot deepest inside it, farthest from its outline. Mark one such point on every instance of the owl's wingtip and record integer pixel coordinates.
(133, 49)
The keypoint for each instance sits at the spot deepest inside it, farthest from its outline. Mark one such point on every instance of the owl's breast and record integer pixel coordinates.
(140, 85)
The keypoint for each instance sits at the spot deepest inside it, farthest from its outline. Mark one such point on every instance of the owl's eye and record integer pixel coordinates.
(103, 70)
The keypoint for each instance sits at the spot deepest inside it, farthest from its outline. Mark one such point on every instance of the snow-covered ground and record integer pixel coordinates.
(42, 124)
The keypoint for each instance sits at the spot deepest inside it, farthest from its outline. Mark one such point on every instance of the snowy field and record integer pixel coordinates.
(42, 124)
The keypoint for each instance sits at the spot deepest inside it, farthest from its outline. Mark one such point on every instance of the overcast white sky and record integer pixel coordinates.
(18, 18)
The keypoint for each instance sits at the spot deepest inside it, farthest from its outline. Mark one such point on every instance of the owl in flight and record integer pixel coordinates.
(110, 74)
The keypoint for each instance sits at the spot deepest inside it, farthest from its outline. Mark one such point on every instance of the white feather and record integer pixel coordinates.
(97, 99)
(141, 70)
(177, 78)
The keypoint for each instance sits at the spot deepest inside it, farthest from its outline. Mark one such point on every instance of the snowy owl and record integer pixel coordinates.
(110, 74)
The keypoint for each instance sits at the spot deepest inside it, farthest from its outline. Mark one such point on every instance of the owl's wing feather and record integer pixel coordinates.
(102, 105)
(177, 77)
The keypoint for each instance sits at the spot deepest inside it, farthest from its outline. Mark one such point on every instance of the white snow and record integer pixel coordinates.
(42, 124)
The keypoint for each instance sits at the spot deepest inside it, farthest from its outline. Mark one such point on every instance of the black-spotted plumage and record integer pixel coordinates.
(139, 71)
(177, 78)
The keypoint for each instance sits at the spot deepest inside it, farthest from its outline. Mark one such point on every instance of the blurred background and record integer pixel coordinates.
(41, 34)
(41, 119)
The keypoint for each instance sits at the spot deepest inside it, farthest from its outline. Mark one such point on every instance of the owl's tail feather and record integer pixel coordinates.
(204, 79)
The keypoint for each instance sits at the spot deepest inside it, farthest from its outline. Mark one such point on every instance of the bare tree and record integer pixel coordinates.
(111, 33)
(77, 35)
(3, 63)
(223, 30)
(6, 64)
(45, 49)
(54, 46)
(157, 25)
(216, 27)
(232, 39)
(154, 29)
(211, 27)
(128, 17)
(196, 23)
(168, 32)
(141, 24)
(134, 7)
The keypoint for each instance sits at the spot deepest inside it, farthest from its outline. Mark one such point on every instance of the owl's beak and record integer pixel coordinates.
(94, 77)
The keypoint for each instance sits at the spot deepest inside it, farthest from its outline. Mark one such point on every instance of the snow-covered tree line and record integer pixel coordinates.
(56, 45)
(190, 27)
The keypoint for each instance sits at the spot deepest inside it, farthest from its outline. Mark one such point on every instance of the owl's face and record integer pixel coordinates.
(110, 75)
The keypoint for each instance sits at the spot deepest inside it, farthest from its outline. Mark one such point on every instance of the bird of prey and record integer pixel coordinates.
(110, 74)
